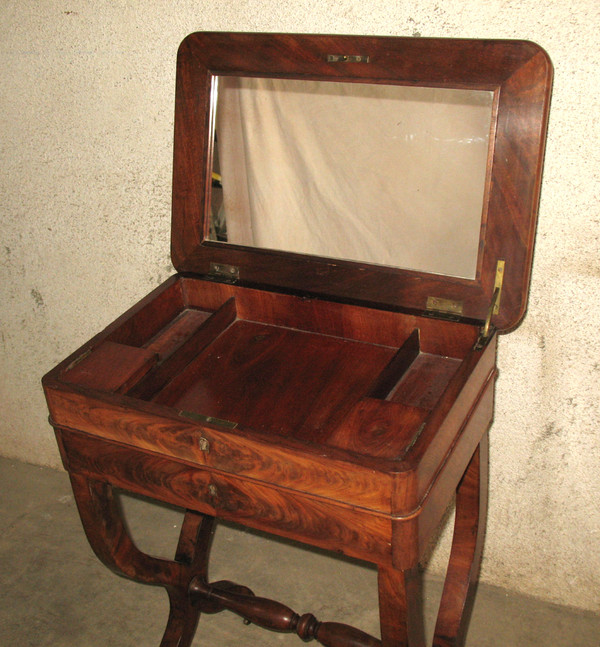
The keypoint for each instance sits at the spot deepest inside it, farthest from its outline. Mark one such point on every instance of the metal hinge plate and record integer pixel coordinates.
(444, 308)
(229, 273)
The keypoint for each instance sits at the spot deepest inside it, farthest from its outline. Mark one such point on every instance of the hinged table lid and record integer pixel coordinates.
(400, 172)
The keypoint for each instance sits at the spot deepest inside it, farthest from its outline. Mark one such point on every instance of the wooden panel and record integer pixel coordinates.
(172, 336)
(397, 368)
(450, 473)
(132, 326)
(276, 380)
(443, 426)
(382, 429)
(315, 521)
(453, 409)
(201, 334)
(425, 381)
(111, 367)
(450, 338)
(412, 533)
(149, 316)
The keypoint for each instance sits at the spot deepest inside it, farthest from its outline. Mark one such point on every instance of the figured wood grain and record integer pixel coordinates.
(108, 535)
(110, 367)
(381, 429)
(367, 324)
(276, 616)
(354, 424)
(176, 332)
(424, 380)
(332, 474)
(454, 407)
(313, 520)
(465, 556)
(149, 316)
(400, 607)
(193, 549)
(167, 296)
(412, 533)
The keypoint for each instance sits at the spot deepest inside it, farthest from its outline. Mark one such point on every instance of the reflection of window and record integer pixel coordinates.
(382, 174)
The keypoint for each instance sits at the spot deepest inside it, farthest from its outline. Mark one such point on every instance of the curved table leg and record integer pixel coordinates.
(107, 534)
(465, 556)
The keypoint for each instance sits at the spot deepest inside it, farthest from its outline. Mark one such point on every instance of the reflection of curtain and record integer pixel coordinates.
(377, 173)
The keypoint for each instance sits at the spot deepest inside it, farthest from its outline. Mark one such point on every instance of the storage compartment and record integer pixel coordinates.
(363, 388)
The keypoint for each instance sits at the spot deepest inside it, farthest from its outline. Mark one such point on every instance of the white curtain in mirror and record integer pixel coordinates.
(382, 174)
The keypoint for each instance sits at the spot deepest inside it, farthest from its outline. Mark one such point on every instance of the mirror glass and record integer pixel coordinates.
(383, 174)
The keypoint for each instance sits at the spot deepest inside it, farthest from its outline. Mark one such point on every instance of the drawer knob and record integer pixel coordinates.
(203, 444)
(212, 490)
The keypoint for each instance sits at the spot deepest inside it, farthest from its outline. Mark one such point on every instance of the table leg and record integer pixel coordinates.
(106, 531)
(465, 555)
(400, 607)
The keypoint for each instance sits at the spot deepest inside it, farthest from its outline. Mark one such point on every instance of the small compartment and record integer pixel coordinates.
(178, 331)
(180, 343)
(387, 423)
(155, 333)
(424, 381)
(110, 367)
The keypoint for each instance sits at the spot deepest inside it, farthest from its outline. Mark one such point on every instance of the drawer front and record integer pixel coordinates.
(314, 520)
(233, 452)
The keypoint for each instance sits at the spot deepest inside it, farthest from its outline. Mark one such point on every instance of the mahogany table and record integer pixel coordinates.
(342, 404)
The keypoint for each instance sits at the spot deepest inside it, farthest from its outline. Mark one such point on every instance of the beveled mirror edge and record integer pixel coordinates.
(518, 71)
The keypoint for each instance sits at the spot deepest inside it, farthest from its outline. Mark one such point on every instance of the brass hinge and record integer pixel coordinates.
(487, 329)
(444, 308)
(229, 273)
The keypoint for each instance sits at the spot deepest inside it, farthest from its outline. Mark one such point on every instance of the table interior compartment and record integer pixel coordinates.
(271, 378)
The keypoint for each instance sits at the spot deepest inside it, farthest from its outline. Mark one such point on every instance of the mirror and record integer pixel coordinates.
(384, 174)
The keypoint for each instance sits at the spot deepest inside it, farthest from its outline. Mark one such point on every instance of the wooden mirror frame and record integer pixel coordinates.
(518, 72)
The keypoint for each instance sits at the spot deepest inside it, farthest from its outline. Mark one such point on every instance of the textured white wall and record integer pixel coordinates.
(85, 133)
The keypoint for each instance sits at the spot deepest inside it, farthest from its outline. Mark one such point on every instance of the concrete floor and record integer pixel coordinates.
(56, 593)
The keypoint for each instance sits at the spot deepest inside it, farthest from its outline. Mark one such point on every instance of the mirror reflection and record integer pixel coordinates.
(381, 174)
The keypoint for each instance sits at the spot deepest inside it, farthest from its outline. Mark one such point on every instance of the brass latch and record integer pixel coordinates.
(487, 329)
